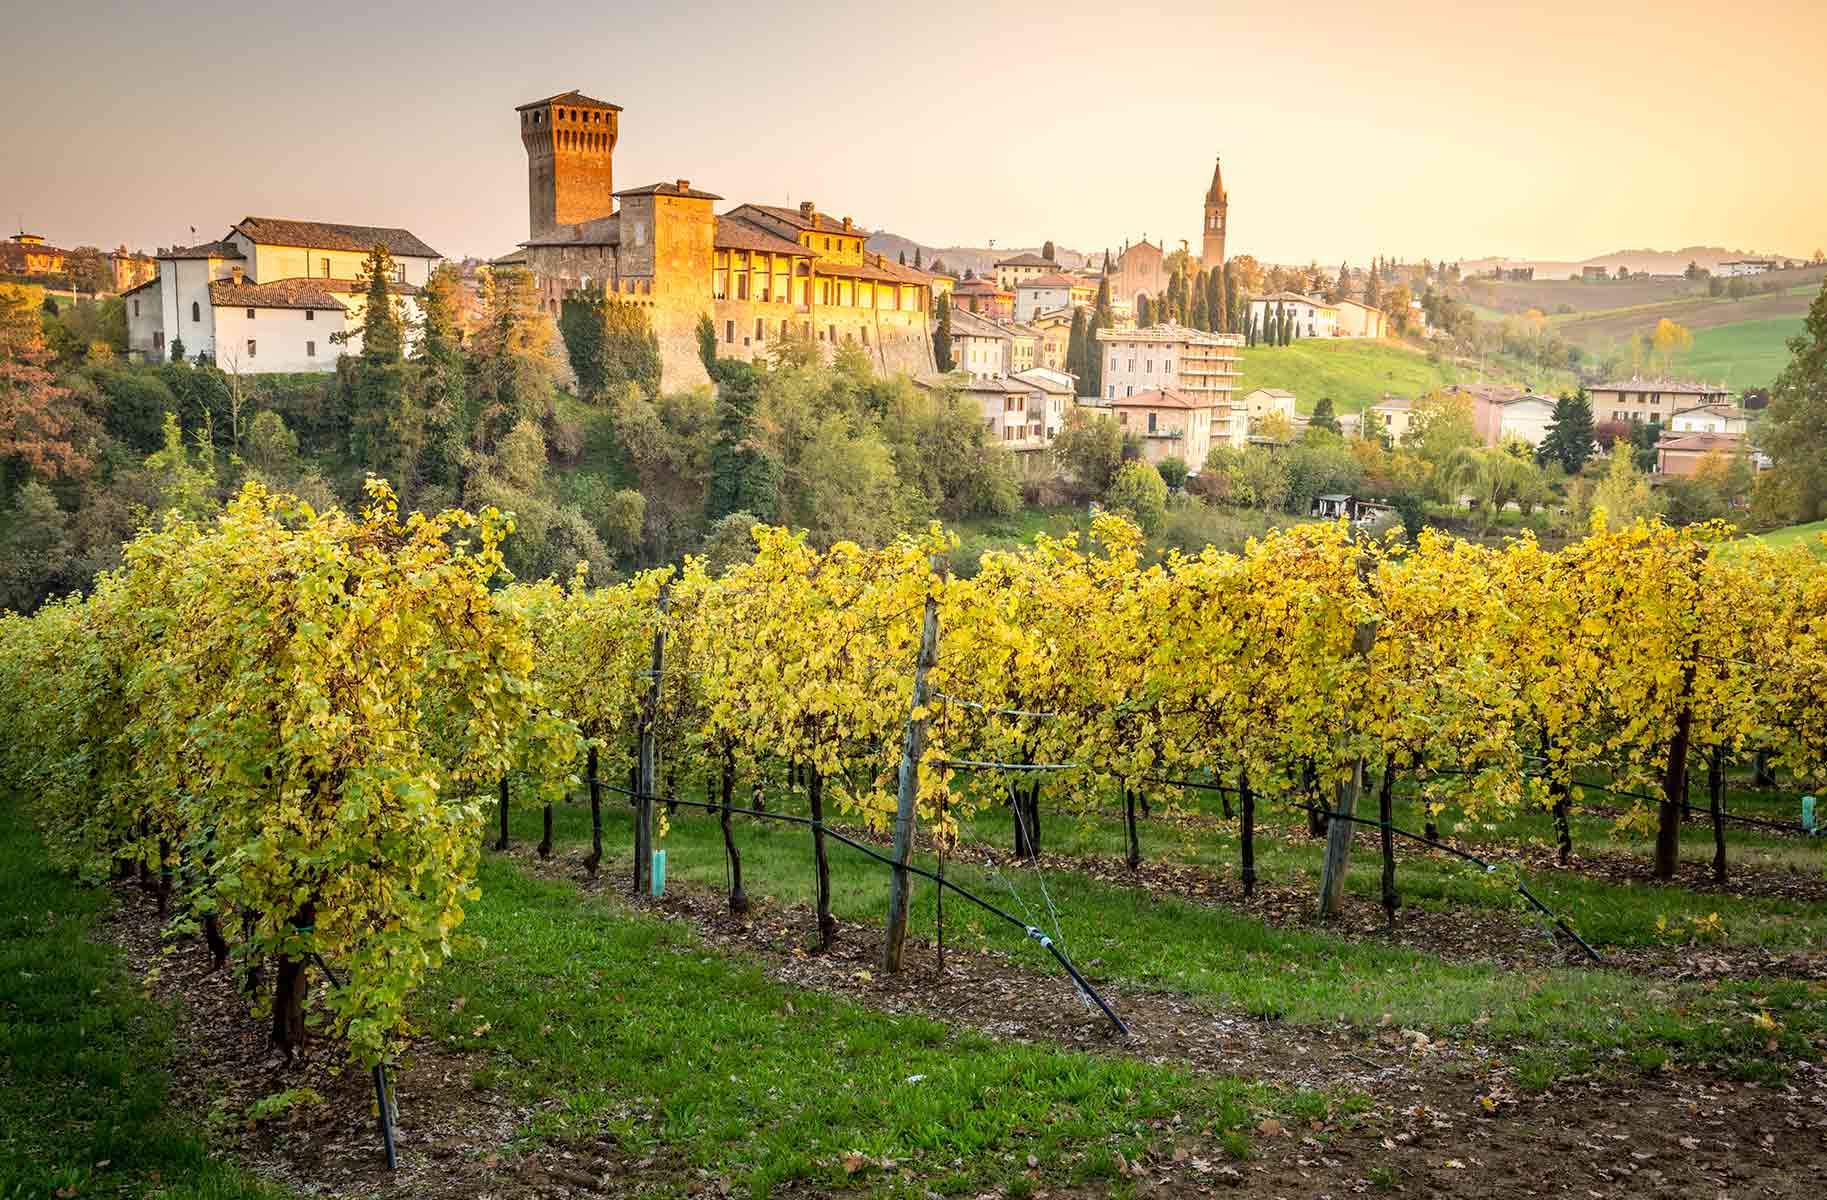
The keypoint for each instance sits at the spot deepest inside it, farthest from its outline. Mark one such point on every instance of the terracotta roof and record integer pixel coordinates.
(1045, 383)
(513, 258)
(323, 235)
(682, 187)
(1276, 392)
(1020, 330)
(1162, 398)
(572, 97)
(281, 293)
(1394, 404)
(603, 231)
(1678, 386)
(1028, 260)
(1052, 280)
(140, 287)
(980, 285)
(1490, 393)
(734, 233)
(204, 250)
(798, 219)
(1701, 442)
(969, 324)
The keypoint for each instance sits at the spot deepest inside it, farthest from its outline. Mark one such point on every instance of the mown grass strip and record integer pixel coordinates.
(83, 1108)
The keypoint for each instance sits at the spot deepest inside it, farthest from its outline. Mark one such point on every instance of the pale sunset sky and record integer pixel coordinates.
(1560, 129)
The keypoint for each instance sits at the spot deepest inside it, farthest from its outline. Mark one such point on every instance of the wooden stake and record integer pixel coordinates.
(907, 791)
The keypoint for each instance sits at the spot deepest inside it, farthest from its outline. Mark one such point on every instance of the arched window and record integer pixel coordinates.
(196, 311)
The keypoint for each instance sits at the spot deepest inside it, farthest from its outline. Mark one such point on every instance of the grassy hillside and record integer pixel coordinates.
(1355, 373)
(1808, 535)
(1748, 354)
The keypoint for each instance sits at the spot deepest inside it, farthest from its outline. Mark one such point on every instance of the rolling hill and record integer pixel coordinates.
(1356, 374)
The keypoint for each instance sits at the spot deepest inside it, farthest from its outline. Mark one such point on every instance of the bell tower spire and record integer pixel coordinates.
(1212, 253)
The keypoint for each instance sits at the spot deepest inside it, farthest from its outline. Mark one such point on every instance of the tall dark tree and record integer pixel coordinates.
(743, 476)
(1323, 416)
(1233, 316)
(1145, 312)
(373, 383)
(1278, 335)
(382, 332)
(1046, 251)
(1075, 346)
(942, 333)
(1568, 439)
(1795, 427)
(902, 258)
(1341, 286)
(917, 257)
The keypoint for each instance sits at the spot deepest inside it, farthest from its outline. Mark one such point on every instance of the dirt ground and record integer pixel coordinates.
(1443, 1118)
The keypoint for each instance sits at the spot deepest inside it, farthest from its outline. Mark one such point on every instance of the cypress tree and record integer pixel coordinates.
(942, 334)
(1323, 415)
(1094, 356)
(1342, 289)
(1046, 251)
(1278, 328)
(1199, 318)
(1075, 346)
(1144, 312)
(902, 258)
(383, 337)
(916, 256)
(1233, 317)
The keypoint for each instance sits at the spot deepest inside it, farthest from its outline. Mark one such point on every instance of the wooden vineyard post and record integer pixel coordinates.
(1338, 835)
(648, 764)
(501, 842)
(1246, 831)
(596, 816)
(907, 793)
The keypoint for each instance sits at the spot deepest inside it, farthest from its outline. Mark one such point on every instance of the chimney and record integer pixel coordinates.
(235, 274)
(685, 185)
(807, 208)
(847, 225)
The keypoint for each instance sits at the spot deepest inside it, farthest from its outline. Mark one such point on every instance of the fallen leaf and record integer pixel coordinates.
(1270, 1128)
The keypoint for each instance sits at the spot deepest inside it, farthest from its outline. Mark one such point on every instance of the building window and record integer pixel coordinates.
(196, 311)
(158, 339)
(834, 335)
(310, 349)
(310, 314)
(729, 332)
(1151, 422)
(865, 333)
(326, 266)
(136, 308)
(1112, 395)
(250, 347)
(758, 331)
(250, 314)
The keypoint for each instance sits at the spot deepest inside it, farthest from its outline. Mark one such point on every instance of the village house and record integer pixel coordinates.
(983, 297)
(1681, 454)
(1052, 292)
(1185, 366)
(1312, 317)
(1651, 401)
(1397, 415)
(1024, 347)
(1264, 402)
(1055, 329)
(1711, 418)
(760, 272)
(271, 295)
(27, 254)
(1526, 417)
(1011, 272)
(1174, 424)
(981, 348)
(1355, 319)
(1740, 267)
(131, 268)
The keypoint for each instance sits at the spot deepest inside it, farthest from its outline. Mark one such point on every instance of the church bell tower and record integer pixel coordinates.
(1212, 254)
(570, 143)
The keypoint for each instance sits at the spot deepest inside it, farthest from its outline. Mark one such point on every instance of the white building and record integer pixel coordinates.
(1712, 418)
(1190, 368)
(1312, 317)
(1011, 271)
(1058, 391)
(1526, 417)
(1265, 402)
(1746, 266)
(270, 295)
(1052, 292)
(980, 347)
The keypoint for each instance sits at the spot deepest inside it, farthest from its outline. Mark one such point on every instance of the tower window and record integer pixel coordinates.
(250, 347)
(729, 332)
(250, 314)
(310, 349)
(310, 314)
(196, 311)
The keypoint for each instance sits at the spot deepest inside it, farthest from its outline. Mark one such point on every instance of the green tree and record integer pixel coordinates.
(1372, 428)
(1794, 431)
(1173, 471)
(1075, 347)
(1090, 448)
(917, 259)
(1046, 251)
(1568, 440)
(381, 329)
(942, 333)
(1624, 494)
(1324, 417)
(580, 325)
(744, 476)
(35, 549)
(1139, 490)
(1341, 285)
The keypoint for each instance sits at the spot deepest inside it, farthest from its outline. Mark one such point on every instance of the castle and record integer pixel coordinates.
(760, 272)
(1141, 269)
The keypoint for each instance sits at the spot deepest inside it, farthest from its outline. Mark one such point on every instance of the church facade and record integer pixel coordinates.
(1141, 269)
(760, 272)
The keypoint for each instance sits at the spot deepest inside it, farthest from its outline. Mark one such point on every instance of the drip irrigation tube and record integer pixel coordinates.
(1046, 943)
(1559, 922)
(380, 1081)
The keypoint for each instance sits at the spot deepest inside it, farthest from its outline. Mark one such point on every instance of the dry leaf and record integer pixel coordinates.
(1270, 1128)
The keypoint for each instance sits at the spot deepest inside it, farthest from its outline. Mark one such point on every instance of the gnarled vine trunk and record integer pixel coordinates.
(739, 899)
(815, 794)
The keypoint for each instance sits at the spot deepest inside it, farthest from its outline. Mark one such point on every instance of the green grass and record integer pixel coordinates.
(82, 1055)
(614, 1020)
(1747, 354)
(1354, 373)
(1305, 974)
(1808, 535)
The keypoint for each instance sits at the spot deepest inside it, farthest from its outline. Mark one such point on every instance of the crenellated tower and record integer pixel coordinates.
(570, 140)
(1212, 255)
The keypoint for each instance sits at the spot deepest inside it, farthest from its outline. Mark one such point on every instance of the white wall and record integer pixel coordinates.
(145, 319)
(1310, 320)
(1526, 419)
(1031, 301)
(266, 263)
(280, 337)
(183, 282)
(1700, 421)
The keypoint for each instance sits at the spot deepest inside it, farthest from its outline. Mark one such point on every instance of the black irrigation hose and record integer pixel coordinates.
(380, 1081)
(1559, 922)
(1030, 931)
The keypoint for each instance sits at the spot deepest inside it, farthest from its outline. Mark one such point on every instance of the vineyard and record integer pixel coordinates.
(323, 743)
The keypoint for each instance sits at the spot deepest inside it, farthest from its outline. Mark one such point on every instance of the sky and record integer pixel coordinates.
(1556, 130)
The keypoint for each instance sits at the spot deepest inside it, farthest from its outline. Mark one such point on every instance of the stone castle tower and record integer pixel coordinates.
(570, 140)
(1216, 202)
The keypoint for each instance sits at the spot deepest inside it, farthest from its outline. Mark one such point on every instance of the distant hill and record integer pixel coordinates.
(1652, 262)
(981, 259)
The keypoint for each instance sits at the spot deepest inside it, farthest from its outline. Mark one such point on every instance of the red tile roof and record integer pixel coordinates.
(682, 187)
(204, 250)
(1162, 398)
(1028, 260)
(1053, 280)
(324, 235)
(571, 97)
(734, 233)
